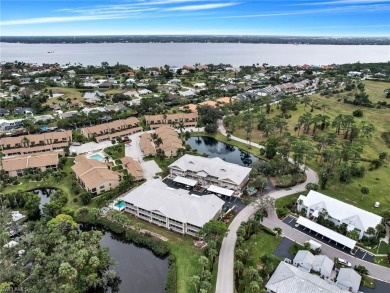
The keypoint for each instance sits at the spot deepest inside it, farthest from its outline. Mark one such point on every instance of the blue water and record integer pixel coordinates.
(97, 157)
(120, 204)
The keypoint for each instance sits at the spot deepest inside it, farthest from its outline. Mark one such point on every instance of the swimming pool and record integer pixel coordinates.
(97, 157)
(120, 205)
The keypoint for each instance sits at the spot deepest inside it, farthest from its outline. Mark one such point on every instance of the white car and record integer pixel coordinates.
(344, 262)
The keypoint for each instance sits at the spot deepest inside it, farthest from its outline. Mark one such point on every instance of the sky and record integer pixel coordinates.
(195, 17)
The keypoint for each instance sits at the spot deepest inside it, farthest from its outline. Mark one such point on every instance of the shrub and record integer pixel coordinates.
(281, 212)
(171, 282)
(358, 113)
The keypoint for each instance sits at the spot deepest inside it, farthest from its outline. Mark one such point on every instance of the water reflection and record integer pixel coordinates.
(214, 148)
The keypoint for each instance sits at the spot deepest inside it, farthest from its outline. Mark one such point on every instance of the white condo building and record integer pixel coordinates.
(174, 209)
(212, 173)
(338, 212)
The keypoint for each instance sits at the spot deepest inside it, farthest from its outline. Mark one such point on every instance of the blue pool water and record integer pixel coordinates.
(251, 189)
(97, 157)
(120, 204)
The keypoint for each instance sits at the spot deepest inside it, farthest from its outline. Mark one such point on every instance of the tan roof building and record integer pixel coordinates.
(208, 103)
(155, 121)
(95, 176)
(16, 166)
(133, 167)
(111, 127)
(31, 140)
(147, 145)
(225, 100)
(36, 149)
(171, 142)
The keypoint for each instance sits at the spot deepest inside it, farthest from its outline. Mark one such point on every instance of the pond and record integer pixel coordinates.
(44, 194)
(138, 268)
(214, 148)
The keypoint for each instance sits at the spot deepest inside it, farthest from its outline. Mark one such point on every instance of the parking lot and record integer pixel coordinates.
(230, 202)
(291, 221)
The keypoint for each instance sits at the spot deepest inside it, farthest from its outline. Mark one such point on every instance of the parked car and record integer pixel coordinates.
(343, 262)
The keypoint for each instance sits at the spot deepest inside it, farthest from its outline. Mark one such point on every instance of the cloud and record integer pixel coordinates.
(341, 2)
(59, 19)
(334, 10)
(201, 6)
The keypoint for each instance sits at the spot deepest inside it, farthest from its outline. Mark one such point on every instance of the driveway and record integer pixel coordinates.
(133, 150)
(89, 147)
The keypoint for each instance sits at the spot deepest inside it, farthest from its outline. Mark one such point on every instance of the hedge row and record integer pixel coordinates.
(171, 282)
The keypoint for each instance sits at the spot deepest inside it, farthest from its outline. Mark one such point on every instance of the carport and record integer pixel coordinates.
(220, 190)
(326, 232)
(185, 181)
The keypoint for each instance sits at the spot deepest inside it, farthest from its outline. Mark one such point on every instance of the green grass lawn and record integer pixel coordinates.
(368, 281)
(281, 202)
(382, 260)
(182, 248)
(70, 93)
(116, 152)
(259, 244)
(376, 180)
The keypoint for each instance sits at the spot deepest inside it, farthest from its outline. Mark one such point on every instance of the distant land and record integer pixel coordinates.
(199, 39)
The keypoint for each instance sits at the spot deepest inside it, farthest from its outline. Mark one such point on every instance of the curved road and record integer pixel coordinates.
(225, 275)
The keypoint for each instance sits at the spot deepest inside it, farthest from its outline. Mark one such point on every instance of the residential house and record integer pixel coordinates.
(211, 172)
(316, 204)
(4, 112)
(290, 279)
(318, 263)
(116, 107)
(17, 165)
(348, 279)
(95, 176)
(69, 114)
(174, 209)
(144, 92)
(43, 118)
(23, 111)
(133, 167)
(7, 125)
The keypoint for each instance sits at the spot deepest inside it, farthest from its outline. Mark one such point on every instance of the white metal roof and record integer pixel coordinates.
(213, 167)
(341, 211)
(220, 190)
(185, 181)
(290, 279)
(337, 237)
(177, 204)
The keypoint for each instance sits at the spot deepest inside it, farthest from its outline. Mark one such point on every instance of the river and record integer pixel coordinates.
(179, 54)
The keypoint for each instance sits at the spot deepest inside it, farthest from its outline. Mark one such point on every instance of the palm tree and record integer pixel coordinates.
(278, 231)
(203, 261)
(195, 280)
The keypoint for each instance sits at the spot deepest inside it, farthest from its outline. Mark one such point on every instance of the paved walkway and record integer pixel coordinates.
(225, 275)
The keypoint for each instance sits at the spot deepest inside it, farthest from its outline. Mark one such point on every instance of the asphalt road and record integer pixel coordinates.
(225, 275)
